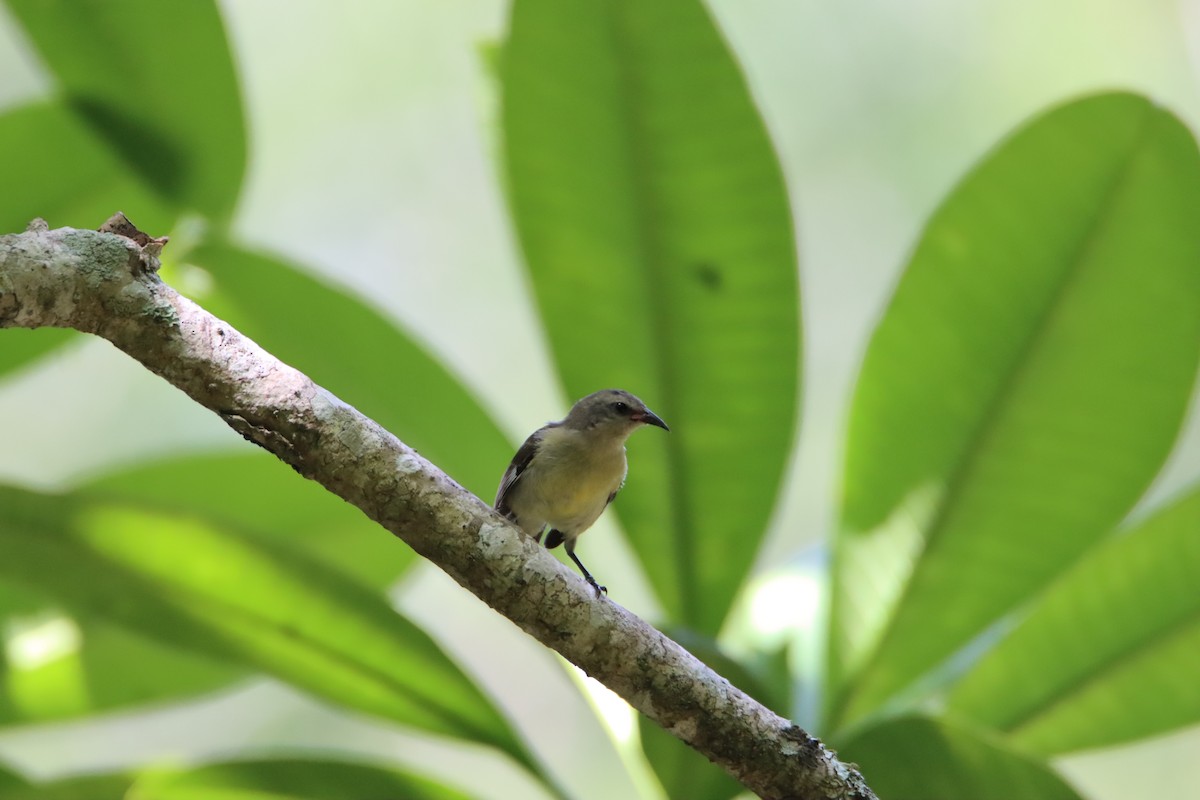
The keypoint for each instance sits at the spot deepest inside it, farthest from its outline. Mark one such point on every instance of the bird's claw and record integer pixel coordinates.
(599, 589)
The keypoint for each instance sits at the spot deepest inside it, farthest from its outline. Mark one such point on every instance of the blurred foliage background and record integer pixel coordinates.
(966, 554)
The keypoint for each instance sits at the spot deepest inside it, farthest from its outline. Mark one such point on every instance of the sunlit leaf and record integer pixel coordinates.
(248, 491)
(58, 664)
(156, 81)
(653, 216)
(260, 605)
(1078, 672)
(1022, 390)
(915, 758)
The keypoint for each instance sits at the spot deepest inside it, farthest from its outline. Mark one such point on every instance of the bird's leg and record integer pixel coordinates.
(586, 575)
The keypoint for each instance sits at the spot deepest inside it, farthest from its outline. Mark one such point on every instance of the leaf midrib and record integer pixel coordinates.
(1079, 682)
(665, 356)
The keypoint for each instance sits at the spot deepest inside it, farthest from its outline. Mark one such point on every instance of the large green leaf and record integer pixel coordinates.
(251, 602)
(248, 491)
(915, 758)
(288, 780)
(352, 350)
(1024, 387)
(1078, 671)
(88, 669)
(255, 491)
(156, 81)
(653, 216)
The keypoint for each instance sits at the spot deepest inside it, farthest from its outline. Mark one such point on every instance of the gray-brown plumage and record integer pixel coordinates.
(566, 473)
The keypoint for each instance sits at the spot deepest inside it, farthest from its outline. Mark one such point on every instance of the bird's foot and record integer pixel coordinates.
(599, 589)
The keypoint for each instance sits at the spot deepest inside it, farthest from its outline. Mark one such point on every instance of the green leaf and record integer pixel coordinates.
(10, 780)
(20, 601)
(88, 670)
(67, 175)
(289, 779)
(156, 81)
(352, 350)
(1075, 673)
(60, 665)
(255, 491)
(915, 758)
(253, 603)
(249, 491)
(1023, 389)
(653, 216)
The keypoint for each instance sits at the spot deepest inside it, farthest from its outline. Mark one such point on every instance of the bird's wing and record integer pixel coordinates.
(615, 492)
(516, 469)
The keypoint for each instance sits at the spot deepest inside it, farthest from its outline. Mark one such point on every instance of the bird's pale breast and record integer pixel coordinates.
(573, 482)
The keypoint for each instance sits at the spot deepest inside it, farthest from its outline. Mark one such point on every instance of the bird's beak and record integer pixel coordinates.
(648, 417)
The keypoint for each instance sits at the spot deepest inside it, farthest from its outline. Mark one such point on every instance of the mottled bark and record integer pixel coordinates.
(106, 284)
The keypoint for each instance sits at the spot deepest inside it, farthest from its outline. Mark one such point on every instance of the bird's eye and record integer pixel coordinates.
(621, 408)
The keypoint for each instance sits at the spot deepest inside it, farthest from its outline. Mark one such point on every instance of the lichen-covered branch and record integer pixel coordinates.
(106, 283)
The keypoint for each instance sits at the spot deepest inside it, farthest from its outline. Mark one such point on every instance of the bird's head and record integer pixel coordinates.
(612, 411)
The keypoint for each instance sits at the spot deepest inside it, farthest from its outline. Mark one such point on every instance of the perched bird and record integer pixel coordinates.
(567, 472)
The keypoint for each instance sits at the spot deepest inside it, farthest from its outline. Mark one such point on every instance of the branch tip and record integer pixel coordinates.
(119, 224)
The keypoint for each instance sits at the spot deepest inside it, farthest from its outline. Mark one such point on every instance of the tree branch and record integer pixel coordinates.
(106, 284)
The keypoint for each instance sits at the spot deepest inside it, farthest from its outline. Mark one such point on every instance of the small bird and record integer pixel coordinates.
(567, 472)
